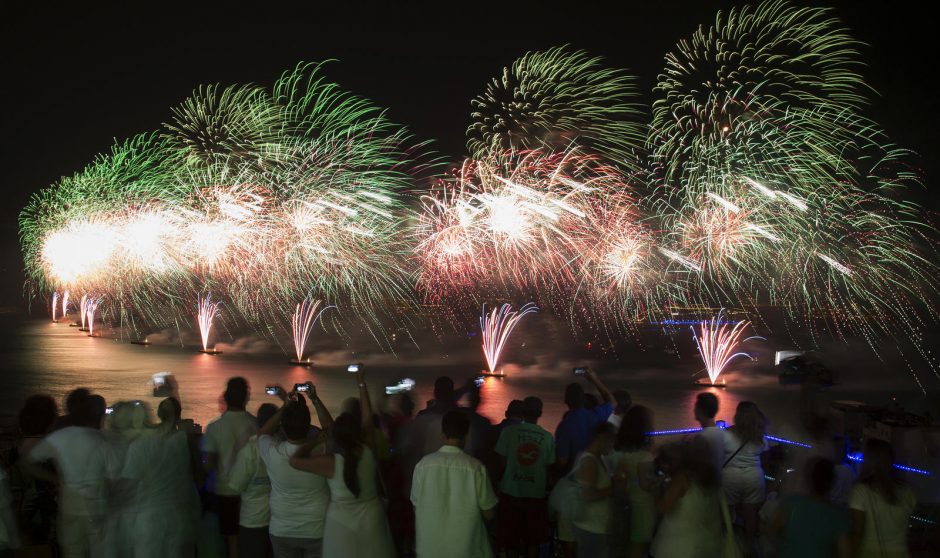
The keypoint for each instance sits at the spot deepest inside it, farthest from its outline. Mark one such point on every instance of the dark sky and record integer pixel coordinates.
(75, 78)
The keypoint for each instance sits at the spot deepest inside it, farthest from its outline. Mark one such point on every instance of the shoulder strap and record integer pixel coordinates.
(741, 447)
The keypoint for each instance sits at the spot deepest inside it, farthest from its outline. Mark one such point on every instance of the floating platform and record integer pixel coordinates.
(304, 362)
(499, 374)
(140, 342)
(82, 329)
(75, 324)
(701, 382)
(210, 351)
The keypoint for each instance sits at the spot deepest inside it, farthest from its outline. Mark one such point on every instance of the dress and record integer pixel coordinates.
(692, 529)
(356, 527)
(641, 503)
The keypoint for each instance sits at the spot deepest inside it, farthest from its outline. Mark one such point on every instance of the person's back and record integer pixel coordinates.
(886, 522)
(692, 528)
(449, 490)
(298, 499)
(811, 526)
(225, 436)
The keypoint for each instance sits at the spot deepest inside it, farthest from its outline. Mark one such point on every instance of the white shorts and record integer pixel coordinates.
(744, 486)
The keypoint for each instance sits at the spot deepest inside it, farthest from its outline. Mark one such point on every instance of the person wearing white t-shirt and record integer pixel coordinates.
(224, 437)
(81, 455)
(881, 506)
(452, 496)
(706, 407)
(250, 477)
(298, 499)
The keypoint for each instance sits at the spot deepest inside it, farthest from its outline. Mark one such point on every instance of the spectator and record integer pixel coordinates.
(742, 474)
(881, 505)
(513, 415)
(481, 439)
(633, 469)
(250, 477)
(572, 436)
(624, 401)
(298, 500)
(9, 530)
(526, 451)
(689, 502)
(224, 437)
(592, 529)
(34, 499)
(126, 423)
(810, 525)
(428, 421)
(80, 453)
(452, 495)
(164, 501)
(355, 521)
(706, 407)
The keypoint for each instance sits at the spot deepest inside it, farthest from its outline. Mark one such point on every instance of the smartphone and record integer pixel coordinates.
(353, 368)
(580, 371)
(302, 388)
(479, 381)
(108, 410)
(271, 390)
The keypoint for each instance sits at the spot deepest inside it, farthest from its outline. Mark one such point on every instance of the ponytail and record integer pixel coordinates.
(346, 434)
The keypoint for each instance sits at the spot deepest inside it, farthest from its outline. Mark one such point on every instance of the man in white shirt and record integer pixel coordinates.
(706, 407)
(452, 495)
(298, 499)
(81, 455)
(224, 437)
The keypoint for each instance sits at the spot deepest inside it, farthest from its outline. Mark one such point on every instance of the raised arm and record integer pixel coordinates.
(305, 460)
(365, 404)
(323, 414)
(606, 394)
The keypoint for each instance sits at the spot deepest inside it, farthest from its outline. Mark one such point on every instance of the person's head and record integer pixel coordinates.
(347, 431)
(602, 439)
(590, 401)
(265, 412)
(574, 396)
(97, 409)
(76, 401)
(634, 429)
(706, 407)
(474, 398)
(820, 474)
(37, 415)
(696, 462)
(295, 421)
(352, 407)
(444, 390)
(624, 401)
(877, 469)
(236, 393)
(531, 409)
(455, 426)
(749, 423)
(514, 409)
(169, 411)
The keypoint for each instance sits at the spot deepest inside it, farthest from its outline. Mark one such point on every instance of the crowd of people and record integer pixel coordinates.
(445, 482)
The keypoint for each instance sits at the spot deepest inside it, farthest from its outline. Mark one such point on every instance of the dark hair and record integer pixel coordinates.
(634, 429)
(707, 404)
(602, 429)
(590, 401)
(749, 423)
(97, 408)
(169, 410)
(574, 396)
(265, 412)
(695, 461)
(236, 393)
(37, 415)
(532, 408)
(624, 401)
(295, 420)
(455, 424)
(346, 434)
(820, 473)
(76, 402)
(514, 409)
(878, 470)
(444, 389)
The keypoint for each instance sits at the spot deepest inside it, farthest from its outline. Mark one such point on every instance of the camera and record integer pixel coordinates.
(109, 410)
(272, 390)
(353, 368)
(406, 384)
(479, 381)
(302, 388)
(580, 371)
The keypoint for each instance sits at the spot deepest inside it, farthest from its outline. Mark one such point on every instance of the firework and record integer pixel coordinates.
(91, 307)
(717, 344)
(496, 327)
(55, 304)
(206, 312)
(555, 98)
(83, 311)
(306, 315)
(65, 304)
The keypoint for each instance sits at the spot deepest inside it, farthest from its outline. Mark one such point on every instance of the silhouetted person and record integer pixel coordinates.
(881, 505)
(592, 529)
(706, 407)
(34, 499)
(622, 401)
(742, 474)
(250, 477)
(809, 525)
(633, 463)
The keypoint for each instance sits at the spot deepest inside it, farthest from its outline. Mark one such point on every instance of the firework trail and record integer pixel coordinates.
(306, 314)
(55, 304)
(91, 307)
(206, 312)
(83, 309)
(717, 344)
(65, 304)
(496, 327)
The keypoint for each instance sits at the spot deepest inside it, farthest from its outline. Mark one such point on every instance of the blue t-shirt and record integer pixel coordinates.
(574, 431)
(812, 528)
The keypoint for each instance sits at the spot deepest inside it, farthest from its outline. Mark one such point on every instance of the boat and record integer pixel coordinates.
(705, 382)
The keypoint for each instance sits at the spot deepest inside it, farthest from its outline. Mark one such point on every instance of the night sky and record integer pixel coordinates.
(75, 78)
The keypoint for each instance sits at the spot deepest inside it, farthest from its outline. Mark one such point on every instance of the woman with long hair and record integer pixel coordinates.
(741, 472)
(355, 525)
(592, 529)
(689, 501)
(881, 505)
(633, 469)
